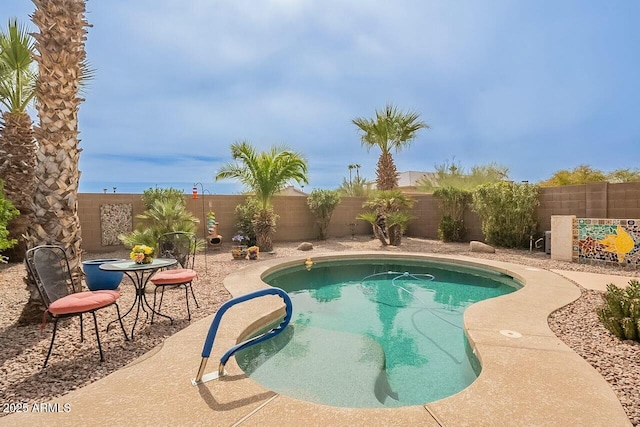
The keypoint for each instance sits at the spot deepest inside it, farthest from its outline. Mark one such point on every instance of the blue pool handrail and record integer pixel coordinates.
(213, 330)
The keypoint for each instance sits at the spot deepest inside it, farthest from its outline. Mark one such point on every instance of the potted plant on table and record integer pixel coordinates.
(142, 254)
(239, 251)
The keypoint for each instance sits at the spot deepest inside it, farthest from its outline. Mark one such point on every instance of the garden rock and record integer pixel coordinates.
(476, 246)
(305, 246)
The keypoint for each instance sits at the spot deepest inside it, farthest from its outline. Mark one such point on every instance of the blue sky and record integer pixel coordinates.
(534, 85)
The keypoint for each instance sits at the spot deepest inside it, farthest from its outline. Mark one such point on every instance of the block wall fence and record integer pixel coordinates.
(296, 222)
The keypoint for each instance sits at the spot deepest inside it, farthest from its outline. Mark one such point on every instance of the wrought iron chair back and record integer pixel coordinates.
(49, 268)
(179, 245)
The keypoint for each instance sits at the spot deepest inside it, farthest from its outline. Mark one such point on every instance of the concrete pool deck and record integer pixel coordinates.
(531, 380)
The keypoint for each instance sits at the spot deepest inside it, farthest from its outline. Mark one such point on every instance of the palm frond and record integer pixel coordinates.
(264, 173)
(17, 72)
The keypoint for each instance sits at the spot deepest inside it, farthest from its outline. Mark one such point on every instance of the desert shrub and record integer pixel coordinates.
(322, 203)
(621, 311)
(7, 213)
(357, 187)
(451, 230)
(245, 214)
(453, 203)
(508, 212)
(452, 174)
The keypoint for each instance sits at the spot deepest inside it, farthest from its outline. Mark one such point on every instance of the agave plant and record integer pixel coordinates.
(621, 311)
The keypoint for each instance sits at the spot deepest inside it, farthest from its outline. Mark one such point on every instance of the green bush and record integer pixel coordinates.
(164, 216)
(7, 213)
(451, 230)
(508, 212)
(389, 215)
(453, 203)
(322, 203)
(245, 214)
(621, 311)
(150, 195)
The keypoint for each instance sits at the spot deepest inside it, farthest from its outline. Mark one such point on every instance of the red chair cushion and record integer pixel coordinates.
(83, 301)
(176, 276)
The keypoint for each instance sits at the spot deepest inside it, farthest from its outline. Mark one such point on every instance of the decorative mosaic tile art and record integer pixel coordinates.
(608, 240)
(115, 219)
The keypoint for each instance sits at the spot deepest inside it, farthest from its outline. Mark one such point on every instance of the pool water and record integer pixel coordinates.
(363, 337)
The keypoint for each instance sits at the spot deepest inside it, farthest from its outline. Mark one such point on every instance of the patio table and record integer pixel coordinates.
(139, 275)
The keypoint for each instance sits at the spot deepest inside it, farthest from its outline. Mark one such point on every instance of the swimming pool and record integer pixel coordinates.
(374, 332)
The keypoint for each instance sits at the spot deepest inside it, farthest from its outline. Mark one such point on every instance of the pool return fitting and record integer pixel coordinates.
(201, 377)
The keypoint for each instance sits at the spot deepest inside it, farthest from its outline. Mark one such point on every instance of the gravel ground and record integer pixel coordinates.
(74, 364)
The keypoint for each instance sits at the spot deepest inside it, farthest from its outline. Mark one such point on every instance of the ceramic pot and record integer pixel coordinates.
(97, 279)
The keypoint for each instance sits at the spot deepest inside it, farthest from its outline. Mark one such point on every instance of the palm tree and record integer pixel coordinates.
(17, 144)
(165, 215)
(61, 64)
(265, 174)
(391, 129)
(389, 216)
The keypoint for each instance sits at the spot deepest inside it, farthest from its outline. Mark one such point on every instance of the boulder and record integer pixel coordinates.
(305, 246)
(476, 246)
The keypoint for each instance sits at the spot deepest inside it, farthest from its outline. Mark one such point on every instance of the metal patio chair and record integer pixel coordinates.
(48, 266)
(180, 246)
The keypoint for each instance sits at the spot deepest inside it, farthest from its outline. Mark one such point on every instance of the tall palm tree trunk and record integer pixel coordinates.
(387, 175)
(61, 52)
(18, 174)
(264, 225)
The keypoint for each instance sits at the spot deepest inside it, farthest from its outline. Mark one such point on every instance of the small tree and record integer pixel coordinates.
(150, 195)
(584, 174)
(389, 216)
(357, 187)
(322, 203)
(265, 174)
(245, 213)
(453, 203)
(7, 213)
(508, 212)
(624, 175)
(451, 174)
